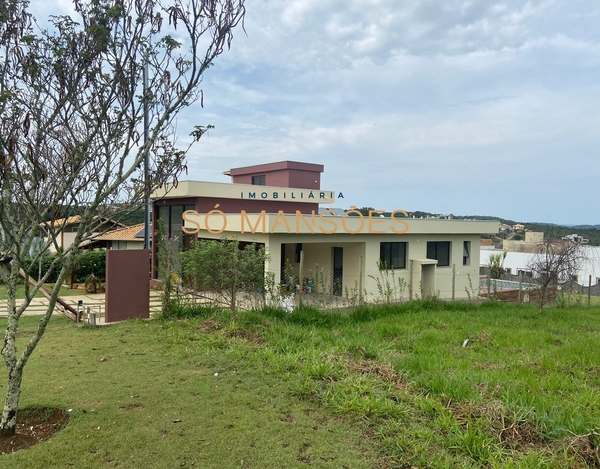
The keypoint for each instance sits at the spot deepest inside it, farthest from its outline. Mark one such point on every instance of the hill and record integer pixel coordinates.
(550, 230)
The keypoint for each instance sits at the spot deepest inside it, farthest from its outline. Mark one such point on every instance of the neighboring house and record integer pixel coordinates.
(431, 256)
(516, 262)
(66, 229)
(127, 237)
(575, 238)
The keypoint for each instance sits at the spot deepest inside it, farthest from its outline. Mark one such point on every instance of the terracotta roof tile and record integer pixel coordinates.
(125, 233)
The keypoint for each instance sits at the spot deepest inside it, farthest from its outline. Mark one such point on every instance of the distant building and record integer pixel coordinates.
(575, 238)
(516, 262)
(127, 237)
(532, 240)
(536, 237)
(66, 230)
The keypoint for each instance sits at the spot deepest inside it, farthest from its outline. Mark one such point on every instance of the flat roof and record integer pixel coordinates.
(228, 190)
(314, 224)
(278, 166)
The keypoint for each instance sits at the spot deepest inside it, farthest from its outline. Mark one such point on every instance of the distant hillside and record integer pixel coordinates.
(550, 230)
(585, 227)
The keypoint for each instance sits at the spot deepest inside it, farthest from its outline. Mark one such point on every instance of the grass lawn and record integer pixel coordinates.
(421, 385)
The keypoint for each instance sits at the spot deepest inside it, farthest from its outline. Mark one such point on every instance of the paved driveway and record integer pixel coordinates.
(95, 301)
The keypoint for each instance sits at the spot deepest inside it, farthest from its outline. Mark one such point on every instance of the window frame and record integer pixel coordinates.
(260, 180)
(467, 251)
(388, 264)
(435, 245)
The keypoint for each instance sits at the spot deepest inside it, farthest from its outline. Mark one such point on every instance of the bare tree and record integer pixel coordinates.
(72, 112)
(555, 262)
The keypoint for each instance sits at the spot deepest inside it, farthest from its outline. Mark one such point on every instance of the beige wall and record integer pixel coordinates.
(243, 191)
(534, 237)
(318, 249)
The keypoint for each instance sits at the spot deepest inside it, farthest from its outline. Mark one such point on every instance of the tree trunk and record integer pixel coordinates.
(11, 403)
(14, 364)
(13, 389)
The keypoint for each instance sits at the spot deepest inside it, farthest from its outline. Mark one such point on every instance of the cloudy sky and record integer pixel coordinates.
(466, 107)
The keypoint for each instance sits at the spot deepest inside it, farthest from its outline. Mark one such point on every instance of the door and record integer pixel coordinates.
(338, 270)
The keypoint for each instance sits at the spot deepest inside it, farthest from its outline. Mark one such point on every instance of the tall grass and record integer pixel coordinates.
(427, 383)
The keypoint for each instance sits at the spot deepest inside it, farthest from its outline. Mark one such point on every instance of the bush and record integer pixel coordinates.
(224, 267)
(86, 263)
(33, 269)
(90, 262)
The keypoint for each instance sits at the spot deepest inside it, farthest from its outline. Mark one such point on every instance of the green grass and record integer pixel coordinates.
(389, 386)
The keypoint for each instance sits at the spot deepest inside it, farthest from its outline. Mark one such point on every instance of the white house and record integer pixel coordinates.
(429, 256)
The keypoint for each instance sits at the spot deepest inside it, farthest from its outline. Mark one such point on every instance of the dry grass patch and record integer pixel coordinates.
(513, 433)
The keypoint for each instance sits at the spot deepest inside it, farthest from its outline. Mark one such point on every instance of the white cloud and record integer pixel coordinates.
(459, 106)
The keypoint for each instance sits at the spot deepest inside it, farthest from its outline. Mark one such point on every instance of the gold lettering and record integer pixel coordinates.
(280, 215)
(397, 220)
(194, 222)
(300, 216)
(356, 212)
(372, 222)
(215, 211)
(261, 217)
(324, 219)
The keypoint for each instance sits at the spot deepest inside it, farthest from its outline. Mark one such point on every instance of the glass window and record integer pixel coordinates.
(392, 255)
(466, 252)
(259, 180)
(176, 221)
(171, 217)
(439, 250)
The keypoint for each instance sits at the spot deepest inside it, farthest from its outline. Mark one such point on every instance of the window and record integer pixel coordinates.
(259, 180)
(439, 250)
(392, 255)
(466, 252)
(170, 216)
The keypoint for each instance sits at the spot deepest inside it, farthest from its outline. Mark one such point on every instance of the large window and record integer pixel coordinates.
(439, 250)
(392, 255)
(171, 218)
(259, 180)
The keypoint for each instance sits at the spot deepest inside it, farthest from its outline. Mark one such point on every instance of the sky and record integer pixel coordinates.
(453, 107)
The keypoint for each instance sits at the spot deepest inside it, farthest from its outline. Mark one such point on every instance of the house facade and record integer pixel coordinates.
(65, 230)
(126, 237)
(348, 252)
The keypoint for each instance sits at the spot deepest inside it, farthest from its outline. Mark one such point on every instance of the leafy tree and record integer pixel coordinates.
(363, 210)
(72, 106)
(496, 265)
(225, 269)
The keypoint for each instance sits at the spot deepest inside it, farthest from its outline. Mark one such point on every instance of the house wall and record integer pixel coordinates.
(281, 174)
(206, 204)
(318, 255)
(534, 237)
(66, 238)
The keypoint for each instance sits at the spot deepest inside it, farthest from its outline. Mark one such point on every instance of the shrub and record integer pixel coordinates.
(90, 262)
(33, 268)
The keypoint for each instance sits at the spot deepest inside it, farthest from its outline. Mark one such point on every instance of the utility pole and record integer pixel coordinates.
(146, 163)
